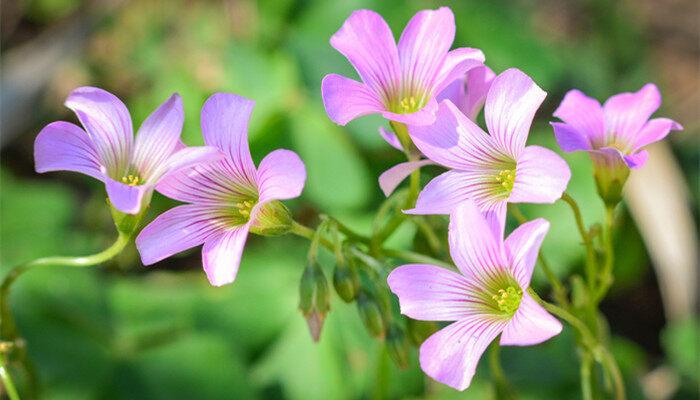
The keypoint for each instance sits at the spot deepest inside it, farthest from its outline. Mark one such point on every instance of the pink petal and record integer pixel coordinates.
(108, 123)
(367, 42)
(185, 158)
(454, 140)
(613, 158)
(655, 130)
(474, 246)
(207, 184)
(346, 99)
(541, 176)
(431, 293)
(281, 176)
(451, 355)
(424, 116)
(176, 230)
(523, 246)
(158, 136)
(224, 122)
(510, 107)
(125, 198)
(585, 119)
(636, 160)
(627, 113)
(62, 146)
(391, 178)
(391, 138)
(221, 255)
(530, 325)
(468, 93)
(457, 64)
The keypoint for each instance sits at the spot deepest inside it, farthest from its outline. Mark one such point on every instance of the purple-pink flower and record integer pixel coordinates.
(106, 150)
(226, 199)
(486, 298)
(399, 82)
(490, 169)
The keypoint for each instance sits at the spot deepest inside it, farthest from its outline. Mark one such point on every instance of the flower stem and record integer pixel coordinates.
(586, 386)
(606, 278)
(590, 252)
(7, 381)
(503, 388)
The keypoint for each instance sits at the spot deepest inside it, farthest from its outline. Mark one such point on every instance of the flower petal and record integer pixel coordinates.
(541, 176)
(158, 136)
(108, 123)
(62, 146)
(570, 139)
(391, 138)
(627, 113)
(206, 184)
(367, 42)
(346, 99)
(653, 131)
(510, 107)
(523, 246)
(424, 116)
(176, 230)
(281, 176)
(431, 293)
(221, 255)
(450, 356)
(224, 122)
(468, 93)
(184, 158)
(585, 118)
(392, 177)
(636, 160)
(530, 325)
(125, 198)
(457, 64)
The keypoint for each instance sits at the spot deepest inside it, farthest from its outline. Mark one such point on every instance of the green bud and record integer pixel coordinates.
(610, 177)
(272, 219)
(346, 280)
(418, 331)
(371, 314)
(397, 345)
(127, 224)
(314, 301)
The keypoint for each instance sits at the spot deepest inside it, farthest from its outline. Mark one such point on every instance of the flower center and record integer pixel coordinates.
(132, 180)
(508, 299)
(244, 208)
(506, 178)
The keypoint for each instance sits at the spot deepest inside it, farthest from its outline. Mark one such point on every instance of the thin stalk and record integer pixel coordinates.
(504, 390)
(429, 233)
(590, 252)
(611, 365)
(586, 385)
(606, 277)
(7, 381)
(349, 233)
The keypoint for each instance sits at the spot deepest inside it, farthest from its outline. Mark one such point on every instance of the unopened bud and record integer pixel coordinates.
(418, 331)
(397, 345)
(610, 173)
(314, 300)
(272, 219)
(371, 314)
(346, 280)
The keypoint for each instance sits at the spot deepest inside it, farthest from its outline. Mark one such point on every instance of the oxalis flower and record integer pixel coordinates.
(486, 298)
(227, 199)
(614, 134)
(491, 169)
(398, 82)
(467, 93)
(106, 150)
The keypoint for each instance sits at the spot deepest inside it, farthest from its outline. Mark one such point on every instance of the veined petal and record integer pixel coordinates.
(367, 42)
(627, 113)
(221, 255)
(541, 176)
(391, 178)
(636, 160)
(474, 247)
(184, 158)
(523, 246)
(586, 121)
(62, 146)
(176, 230)
(125, 198)
(510, 108)
(468, 93)
(391, 138)
(653, 131)
(423, 47)
(158, 136)
(346, 99)
(450, 356)
(457, 64)
(430, 293)
(455, 141)
(424, 116)
(108, 123)
(281, 176)
(530, 325)
(224, 122)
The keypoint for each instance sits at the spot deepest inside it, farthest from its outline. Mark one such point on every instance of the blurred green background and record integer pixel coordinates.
(123, 331)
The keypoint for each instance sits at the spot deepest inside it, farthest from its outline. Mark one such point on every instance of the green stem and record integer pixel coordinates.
(590, 252)
(427, 230)
(606, 278)
(611, 365)
(586, 336)
(349, 233)
(586, 386)
(7, 380)
(503, 388)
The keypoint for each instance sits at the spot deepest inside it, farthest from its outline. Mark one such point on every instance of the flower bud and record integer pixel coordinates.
(610, 175)
(397, 345)
(272, 219)
(346, 280)
(314, 301)
(418, 331)
(370, 313)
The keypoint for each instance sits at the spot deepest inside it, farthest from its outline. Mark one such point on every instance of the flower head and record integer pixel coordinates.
(614, 134)
(491, 169)
(227, 199)
(486, 298)
(106, 150)
(398, 82)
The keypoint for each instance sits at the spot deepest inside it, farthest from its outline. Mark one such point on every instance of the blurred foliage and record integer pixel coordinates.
(125, 332)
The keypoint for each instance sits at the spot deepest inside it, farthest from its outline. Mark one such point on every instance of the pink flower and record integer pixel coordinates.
(494, 169)
(226, 199)
(398, 82)
(106, 150)
(486, 298)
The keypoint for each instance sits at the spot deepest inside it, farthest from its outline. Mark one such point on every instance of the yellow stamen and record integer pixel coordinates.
(131, 180)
